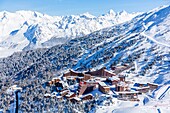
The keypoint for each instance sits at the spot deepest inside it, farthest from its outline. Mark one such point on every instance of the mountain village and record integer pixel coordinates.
(81, 86)
(101, 86)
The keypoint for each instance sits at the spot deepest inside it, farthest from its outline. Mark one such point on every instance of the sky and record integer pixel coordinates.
(69, 7)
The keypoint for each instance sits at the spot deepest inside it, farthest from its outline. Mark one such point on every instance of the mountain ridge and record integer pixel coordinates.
(24, 30)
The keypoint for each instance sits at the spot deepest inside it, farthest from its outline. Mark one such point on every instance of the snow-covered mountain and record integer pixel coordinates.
(25, 30)
(143, 41)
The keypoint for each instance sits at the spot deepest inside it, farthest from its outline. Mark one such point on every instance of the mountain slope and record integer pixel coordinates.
(24, 30)
(132, 42)
(126, 43)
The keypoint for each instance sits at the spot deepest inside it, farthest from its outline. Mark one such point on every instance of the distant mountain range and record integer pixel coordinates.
(24, 30)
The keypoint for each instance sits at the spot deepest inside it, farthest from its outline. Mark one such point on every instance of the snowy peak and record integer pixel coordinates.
(111, 12)
(87, 15)
(31, 27)
(20, 29)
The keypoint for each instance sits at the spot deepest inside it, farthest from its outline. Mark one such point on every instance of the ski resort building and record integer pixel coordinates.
(128, 95)
(86, 87)
(122, 86)
(70, 95)
(103, 79)
(87, 97)
(103, 87)
(113, 80)
(152, 86)
(103, 72)
(119, 69)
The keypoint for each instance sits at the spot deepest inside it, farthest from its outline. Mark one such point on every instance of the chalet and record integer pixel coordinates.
(98, 73)
(128, 95)
(119, 69)
(122, 86)
(103, 87)
(102, 73)
(113, 80)
(72, 73)
(107, 73)
(140, 84)
(87, 97)
(152, 86)
(66, 74)
(70, 95)
(86, 87)
(75, 100)
(141, 89)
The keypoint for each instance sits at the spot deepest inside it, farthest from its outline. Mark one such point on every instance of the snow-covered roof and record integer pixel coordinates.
(64, 91)
(86, 95)
(75, 71)
(113, 78)
(69, 94)
(80, 77)
(127, 92)
(100, 78)
(141, 87)
(103, 84)
(109, 71)
(55, 78)
(76, 98)
(152, 83)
